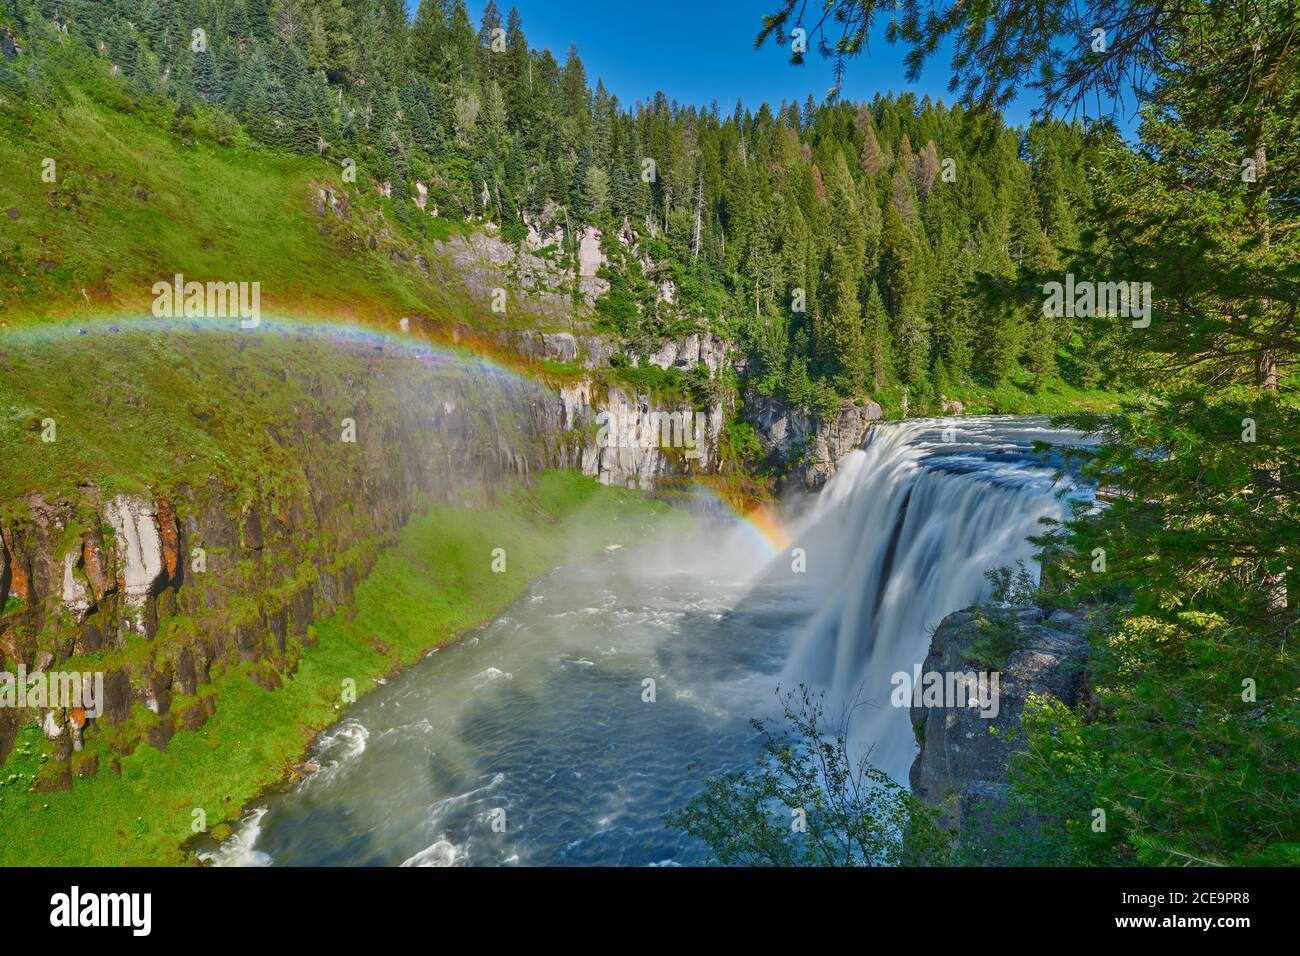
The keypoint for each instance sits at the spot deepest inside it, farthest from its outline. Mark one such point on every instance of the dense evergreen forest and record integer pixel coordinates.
(837, 241)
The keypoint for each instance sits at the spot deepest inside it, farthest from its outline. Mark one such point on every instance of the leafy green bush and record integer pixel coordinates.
(650, 379)
(1193, 740)
(739, 447)
(808, 802)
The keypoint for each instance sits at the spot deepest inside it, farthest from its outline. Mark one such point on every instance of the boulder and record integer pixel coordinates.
(963, 754)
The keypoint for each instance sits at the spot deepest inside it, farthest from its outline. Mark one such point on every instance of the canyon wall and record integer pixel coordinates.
(804, 447)
(162, 581)
(549, 318)
(161, 587)
(621, 435)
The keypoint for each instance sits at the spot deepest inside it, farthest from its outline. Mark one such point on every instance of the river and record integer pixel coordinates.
(562, 732)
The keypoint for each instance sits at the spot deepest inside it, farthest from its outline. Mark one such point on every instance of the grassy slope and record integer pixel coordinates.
(137, 201)
(163, 404)
(1017, 397)
(153, 408)
(434, 584)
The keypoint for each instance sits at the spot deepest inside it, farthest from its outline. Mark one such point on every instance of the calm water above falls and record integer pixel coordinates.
(540, 714)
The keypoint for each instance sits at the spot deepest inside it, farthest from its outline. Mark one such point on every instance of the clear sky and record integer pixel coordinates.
(700, 50)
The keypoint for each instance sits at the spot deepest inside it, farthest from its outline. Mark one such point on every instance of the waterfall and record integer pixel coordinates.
(901, 537)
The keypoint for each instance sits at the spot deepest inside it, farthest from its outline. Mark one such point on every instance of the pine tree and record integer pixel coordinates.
(870, 160)
(877, 342)
(841, 345)
(302, 132)
(462, 44)
(491, 62)
(206, 80)
(257, 115)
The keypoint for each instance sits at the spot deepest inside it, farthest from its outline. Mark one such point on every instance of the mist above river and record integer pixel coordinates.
(563, 731)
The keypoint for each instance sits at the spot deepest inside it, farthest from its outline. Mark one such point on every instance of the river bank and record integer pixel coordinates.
(435, 584)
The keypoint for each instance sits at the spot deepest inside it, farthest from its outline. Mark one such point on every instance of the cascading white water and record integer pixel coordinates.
(901, 537)
(542, 715)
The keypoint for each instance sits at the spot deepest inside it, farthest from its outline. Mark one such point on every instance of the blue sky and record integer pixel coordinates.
(700, 50)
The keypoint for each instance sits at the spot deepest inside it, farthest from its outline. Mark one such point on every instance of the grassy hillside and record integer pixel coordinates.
(140, 196)
(146, 404)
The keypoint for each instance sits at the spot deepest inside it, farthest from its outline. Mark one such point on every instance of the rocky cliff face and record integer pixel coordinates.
(622, 437)
(552, 287)
(619, 437)
(548, 286)
(651, 439)
(161, 588)
(962, 763)
(803, 445)
(567, 348)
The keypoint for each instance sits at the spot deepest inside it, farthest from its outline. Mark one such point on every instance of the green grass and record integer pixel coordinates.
(1013, 397)
(1054, 398)
(140, 196)
(434, 584)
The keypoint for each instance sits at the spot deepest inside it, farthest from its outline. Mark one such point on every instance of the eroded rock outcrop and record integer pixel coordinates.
(590, 261)
(962, 763)
(566, 348)
(689, 351)
(543, 283)
(76, 596)
(803, 445)
(138, 540)
(622, 438)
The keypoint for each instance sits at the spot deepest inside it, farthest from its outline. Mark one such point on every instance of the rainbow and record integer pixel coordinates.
(464, 351)
(764, 521)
